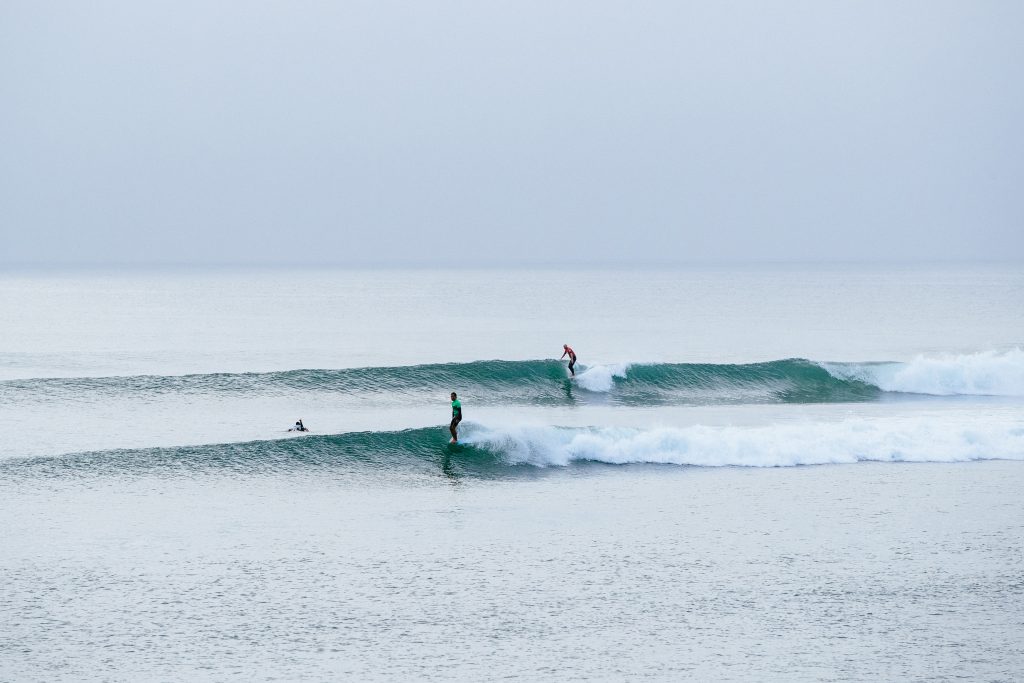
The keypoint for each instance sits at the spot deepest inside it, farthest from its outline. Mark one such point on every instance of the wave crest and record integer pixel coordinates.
(499, 451)
(989, 373)
(777, 445)
(547, 382)
(601, 378)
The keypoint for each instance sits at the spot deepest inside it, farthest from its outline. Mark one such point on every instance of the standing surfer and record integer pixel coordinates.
(572, 357)
(456, 418)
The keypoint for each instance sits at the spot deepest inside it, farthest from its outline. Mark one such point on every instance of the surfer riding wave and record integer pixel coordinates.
(572, 357)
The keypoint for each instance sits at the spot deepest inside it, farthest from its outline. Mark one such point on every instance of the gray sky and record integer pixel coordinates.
(489, 132)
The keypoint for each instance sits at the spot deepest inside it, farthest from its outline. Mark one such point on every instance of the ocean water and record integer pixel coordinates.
(760, 473)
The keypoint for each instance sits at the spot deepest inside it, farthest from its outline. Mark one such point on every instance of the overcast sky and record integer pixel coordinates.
(522, 132)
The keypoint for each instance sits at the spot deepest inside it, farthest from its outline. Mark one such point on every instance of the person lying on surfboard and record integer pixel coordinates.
(456, 418)
(299, 427)
(572, 357)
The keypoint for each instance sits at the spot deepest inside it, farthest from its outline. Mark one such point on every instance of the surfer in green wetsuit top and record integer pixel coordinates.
(456, 418)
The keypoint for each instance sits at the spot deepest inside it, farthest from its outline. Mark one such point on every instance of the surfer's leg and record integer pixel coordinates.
(572, 363)
(454, 429)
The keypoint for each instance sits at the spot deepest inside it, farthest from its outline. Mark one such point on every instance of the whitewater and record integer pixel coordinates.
(103, 364)
(763, 460)
(128, 411)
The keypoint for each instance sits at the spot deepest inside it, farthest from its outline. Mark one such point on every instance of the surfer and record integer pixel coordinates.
(299, 427)
(456, 418)
(572, 357)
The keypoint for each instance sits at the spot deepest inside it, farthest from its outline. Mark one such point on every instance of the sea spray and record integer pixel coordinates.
(776, 445)
(601, 378)
(989, 373)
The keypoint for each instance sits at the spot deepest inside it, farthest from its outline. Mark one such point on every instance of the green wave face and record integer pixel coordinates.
(409, 453)
(784, 381)
(539, 382)
(525, 450)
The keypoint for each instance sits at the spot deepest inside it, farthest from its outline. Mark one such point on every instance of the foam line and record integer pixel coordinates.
(776, 445)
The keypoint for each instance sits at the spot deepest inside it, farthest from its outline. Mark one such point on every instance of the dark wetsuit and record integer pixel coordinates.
(572, 359)
(456, 417)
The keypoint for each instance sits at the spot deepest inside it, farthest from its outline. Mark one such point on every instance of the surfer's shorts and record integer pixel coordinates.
(455, 422)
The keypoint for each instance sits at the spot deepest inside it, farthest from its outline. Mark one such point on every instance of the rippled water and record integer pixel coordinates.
(848, 508)
(866, 572)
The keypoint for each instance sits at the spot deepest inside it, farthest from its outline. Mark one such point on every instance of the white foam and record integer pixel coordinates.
(916, 439)
(989, 373)
(601, 378)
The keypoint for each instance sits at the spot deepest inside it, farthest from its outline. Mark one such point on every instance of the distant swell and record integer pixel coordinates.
(501, 451)
(546, 382)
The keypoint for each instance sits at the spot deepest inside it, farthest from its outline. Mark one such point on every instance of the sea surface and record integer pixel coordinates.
(771, 473)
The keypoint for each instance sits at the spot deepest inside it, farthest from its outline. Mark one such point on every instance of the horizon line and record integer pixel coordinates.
(492, 264)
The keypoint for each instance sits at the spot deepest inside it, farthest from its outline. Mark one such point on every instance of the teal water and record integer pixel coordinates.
(789, 474)
(496, 382)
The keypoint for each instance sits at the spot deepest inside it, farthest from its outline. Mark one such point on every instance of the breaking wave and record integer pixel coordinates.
(776, 445)
(498, 451)
(547, 382)
(990, 373)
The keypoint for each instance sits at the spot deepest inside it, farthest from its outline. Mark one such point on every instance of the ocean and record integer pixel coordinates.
(759, 473)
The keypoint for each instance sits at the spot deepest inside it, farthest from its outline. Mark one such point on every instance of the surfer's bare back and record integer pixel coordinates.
(572, 357)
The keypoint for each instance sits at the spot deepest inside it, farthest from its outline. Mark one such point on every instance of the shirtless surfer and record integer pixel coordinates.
(572, 357)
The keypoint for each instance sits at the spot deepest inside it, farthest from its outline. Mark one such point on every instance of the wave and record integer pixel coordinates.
(990, 373)
(546, 382)
(777, 445)
(490, 451)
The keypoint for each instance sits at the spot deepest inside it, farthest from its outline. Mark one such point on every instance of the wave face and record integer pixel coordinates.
(546, 382)
(504, 451)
